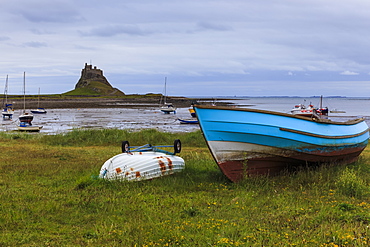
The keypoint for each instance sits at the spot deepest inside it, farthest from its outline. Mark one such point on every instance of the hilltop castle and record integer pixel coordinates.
(89, 73)
(93, 79)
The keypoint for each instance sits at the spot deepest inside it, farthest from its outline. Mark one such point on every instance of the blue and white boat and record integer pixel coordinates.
(188, 121)
(247, 141)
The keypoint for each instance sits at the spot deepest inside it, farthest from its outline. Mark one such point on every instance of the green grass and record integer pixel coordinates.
(50, 196)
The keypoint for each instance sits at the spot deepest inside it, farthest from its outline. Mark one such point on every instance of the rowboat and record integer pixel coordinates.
(188, 121)
(142, 163)
(27, 127)
(247, 141)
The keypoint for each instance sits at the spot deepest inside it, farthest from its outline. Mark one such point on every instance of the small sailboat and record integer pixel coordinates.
(39, 110)
(167, 108)
(8, 110)
(26, 117)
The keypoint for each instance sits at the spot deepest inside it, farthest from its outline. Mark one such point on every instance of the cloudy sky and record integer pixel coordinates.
(203, 47)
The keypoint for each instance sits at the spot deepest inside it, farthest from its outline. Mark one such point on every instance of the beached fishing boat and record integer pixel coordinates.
(143, 163)
(8, 110)
(247, 141)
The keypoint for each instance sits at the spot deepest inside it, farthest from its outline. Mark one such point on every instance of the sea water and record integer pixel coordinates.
(63, 120)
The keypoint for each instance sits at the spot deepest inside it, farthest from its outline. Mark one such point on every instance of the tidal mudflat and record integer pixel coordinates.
(62, 120)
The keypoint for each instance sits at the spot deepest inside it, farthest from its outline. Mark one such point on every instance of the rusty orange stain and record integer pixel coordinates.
(132, 169)
(170, 166)
(138, 174)
(127, 173)
(162, 165)
(118, 170)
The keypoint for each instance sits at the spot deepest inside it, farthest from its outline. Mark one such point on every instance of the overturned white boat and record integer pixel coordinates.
(143, 163)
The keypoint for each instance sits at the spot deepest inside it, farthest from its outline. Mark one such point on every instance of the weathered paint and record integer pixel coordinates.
(141, 165)
(247, 141)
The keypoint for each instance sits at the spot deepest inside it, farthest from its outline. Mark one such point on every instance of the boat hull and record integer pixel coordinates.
(26, 118)
(188, 121)
(248, 142)
(7, 114)
(39, 111)
(30, 128)
(137, 166)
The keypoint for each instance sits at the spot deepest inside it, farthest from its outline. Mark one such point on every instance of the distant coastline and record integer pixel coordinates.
(128, 101)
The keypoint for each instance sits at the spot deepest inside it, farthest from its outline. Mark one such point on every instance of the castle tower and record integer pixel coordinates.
(91, 74)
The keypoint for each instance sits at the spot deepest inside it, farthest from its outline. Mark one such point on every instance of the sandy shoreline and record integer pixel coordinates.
(90, 102)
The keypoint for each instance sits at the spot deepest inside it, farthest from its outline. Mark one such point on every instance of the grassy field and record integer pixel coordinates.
(50, 196)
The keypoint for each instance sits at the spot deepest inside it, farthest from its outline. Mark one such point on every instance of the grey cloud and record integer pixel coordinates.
(3, 38)
(49, 11)
(213, 26)
(35, 44)
(113, 30)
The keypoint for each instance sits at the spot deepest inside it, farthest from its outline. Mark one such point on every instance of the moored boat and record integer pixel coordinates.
(143, 163)
(310, 110)
(188, 121)
(24, 126)
(25, 117)
(167, 108)
(8, 110)
(247, 141)
(39, 109)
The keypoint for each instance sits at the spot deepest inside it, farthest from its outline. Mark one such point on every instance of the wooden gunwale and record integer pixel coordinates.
(317, 120)
(323, 136)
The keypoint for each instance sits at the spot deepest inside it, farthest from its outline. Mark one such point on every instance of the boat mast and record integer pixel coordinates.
(6, 91)
(24, 91)
(165, 92)
(38, 103)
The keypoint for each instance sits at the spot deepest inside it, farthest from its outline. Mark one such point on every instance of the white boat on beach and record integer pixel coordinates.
(39, 109)
(27, 127)
(142, 163)
(167, 108)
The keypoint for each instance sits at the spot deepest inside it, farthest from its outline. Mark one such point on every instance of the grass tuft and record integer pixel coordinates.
(50, 195)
